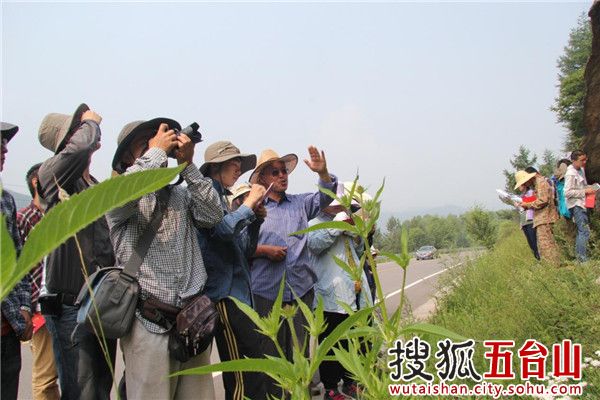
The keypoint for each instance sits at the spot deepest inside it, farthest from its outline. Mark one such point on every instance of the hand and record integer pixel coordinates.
(260, 211)
(275, 253)
(184, 151)
(590, 190)
(91, 115)
(28, 332)
(164, 139)
(317, 162)
(255, 196)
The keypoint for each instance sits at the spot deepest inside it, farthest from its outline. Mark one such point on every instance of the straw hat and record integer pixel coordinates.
(133, 129)
(268, 156)
(522, 177)
(224, 150)
(8, 130)
(56, 128)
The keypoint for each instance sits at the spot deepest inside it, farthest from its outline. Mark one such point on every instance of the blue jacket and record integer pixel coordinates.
(226, 249)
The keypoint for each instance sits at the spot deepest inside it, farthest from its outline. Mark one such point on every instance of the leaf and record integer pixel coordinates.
(246, 364)
(9, 254)
(69, 217)
(400, 260)
(341, 225)
(432, 330)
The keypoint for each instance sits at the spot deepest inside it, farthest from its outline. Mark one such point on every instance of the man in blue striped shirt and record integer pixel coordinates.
(278, 252)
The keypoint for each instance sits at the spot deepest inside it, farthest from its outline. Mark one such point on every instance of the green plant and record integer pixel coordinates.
(368, 336)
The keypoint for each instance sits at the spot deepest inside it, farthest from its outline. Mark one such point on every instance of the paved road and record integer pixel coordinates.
(422, 284)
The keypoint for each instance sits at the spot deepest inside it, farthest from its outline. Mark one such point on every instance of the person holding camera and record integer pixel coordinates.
(16, 307)
(80, 360)
(172, 272)
(226, 249)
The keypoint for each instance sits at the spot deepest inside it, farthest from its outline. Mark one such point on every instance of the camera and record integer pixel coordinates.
(190, 131)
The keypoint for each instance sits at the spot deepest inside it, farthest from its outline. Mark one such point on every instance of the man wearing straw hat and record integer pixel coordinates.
(278, 252)
(544, 213)
(226, 249)
(16, 307)
(173, 270)
(82, 367)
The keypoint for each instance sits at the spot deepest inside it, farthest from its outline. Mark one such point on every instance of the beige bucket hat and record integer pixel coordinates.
(240, 190)
(57, 128)
(224, 150)
(133, 129)
(268, 156)
(522, 177)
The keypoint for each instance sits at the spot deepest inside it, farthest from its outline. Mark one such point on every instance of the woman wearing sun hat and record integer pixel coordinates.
(226, 249)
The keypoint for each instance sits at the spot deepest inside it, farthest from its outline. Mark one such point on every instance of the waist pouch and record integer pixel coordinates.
(195, 326)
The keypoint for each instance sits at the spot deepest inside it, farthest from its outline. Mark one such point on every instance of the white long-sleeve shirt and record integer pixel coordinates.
(575, 184)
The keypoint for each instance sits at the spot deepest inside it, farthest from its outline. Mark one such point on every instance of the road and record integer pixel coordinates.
(422, 284)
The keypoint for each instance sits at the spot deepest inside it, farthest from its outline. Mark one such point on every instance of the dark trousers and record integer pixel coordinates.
(332, 371)
(238, 339)
(11, 366)
(263, 307)
(531, 237)
(81, 364)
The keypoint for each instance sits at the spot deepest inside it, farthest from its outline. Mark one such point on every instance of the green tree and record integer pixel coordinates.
(568, 106)
(523, 159)
(548, 164)
(482, 226)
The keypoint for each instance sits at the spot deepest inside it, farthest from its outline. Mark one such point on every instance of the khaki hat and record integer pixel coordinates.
(224, 150)
(8, 130)
(561, 170)
(268, 156)
(133, 129)
(522, 177)
(240, 190)
(56, 129)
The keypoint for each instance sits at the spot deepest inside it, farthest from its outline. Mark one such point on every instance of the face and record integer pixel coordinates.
(3, 153)
(275, 173)
(230, 172)
(136, 149)
(580, 162)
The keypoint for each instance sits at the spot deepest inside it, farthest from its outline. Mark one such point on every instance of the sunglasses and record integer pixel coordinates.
(275, 172)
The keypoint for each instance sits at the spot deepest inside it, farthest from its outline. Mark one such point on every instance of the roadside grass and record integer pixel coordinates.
(507, 294)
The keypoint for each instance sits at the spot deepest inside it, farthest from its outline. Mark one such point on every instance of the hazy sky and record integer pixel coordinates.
(435, 97)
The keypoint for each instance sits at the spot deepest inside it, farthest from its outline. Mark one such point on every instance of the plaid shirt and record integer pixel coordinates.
(20, 297)
(27, 218)
(173, 270)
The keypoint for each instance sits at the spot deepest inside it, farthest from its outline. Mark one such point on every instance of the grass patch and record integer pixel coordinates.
(507, 294)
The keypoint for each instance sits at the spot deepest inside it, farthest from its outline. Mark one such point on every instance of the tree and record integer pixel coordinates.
(482, 226)
(548, 164)
(523, 159)
(568, 106)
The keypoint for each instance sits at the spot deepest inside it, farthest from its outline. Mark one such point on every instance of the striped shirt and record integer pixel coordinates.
(27, 218)
(291, 214)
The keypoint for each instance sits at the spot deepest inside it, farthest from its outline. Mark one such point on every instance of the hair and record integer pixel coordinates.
(563, 161)
(531, 170)
(576, 154)
(32, 173)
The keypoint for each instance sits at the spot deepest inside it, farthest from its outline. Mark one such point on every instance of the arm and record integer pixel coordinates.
(205, 207)
(543, 196)
(233, 223)
(66, 167)
(322, 239)
(249, 238)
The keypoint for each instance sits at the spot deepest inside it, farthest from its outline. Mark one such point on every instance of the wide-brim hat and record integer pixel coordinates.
(522, 177)
(133, 129)
(268, 156)
(561, 170)
(240, 190)
(224, 150)
(56, 129)
(8, 130)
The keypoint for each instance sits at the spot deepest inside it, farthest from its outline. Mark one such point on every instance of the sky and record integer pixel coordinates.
(435, 97)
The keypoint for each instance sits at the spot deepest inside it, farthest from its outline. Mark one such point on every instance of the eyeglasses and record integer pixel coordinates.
(276, 172)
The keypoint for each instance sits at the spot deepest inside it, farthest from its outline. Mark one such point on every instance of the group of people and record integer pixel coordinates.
(214, 238)
(545, 200)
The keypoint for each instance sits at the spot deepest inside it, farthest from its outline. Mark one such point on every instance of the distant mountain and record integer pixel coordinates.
(21, 200)
(441, 211)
